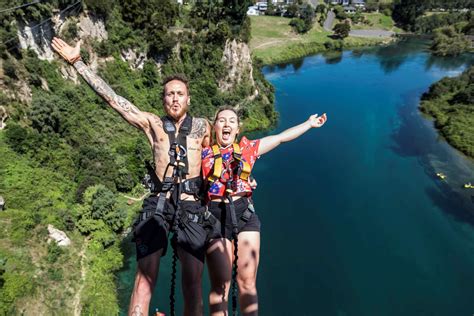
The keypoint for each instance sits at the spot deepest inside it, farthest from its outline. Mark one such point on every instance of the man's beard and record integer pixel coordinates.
(177, 115)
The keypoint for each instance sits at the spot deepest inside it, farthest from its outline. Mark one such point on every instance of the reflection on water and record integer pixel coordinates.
(449, 63)
(333, 58)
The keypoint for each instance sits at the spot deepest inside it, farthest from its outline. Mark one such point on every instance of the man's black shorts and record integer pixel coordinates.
(221, 211)
(153, 234)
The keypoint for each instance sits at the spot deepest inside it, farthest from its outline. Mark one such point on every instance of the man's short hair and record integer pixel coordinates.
(179, 77)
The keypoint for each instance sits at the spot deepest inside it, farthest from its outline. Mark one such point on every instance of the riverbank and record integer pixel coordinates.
(273, 41)
(449, 103)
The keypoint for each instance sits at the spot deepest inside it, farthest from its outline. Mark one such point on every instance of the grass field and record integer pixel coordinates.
(378, 21)
(274, 41)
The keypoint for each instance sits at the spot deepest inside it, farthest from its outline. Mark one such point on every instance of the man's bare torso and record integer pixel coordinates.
(159, 141)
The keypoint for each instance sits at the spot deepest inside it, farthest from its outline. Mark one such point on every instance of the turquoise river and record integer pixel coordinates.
(354, 219)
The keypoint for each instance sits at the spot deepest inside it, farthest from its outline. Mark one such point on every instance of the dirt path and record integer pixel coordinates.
(134, 198)
(77, 297)
(371, 33)
(275, 42)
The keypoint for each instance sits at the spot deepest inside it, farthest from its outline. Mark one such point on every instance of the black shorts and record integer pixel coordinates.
(221, 211)
(192, 233)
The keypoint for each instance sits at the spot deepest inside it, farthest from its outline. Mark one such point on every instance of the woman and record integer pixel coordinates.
(227, 166)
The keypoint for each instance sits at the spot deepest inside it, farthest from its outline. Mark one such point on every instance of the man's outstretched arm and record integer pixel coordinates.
(128, 111)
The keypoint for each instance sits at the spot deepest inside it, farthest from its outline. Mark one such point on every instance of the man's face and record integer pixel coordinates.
(176, 99)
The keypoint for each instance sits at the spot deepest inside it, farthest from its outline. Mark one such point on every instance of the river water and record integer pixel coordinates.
(354, 219)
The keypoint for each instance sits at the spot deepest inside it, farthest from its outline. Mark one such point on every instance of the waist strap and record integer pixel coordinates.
(188, 186)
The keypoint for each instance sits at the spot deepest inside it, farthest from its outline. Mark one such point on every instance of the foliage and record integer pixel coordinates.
(304, 22)
(321, 8)
(334, 45)
(341, 30)
(450, 102)
(340, 14)
(271, 8)
(298, 25)
(292, 10)
(16, 284)
(101, 8)
(70, 31)
(428, 24)
(407, 12)
(372, 5)
(54, 252)
(447, 42)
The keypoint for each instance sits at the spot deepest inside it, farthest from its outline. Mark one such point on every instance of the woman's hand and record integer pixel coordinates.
(69, 53)
(317, 121)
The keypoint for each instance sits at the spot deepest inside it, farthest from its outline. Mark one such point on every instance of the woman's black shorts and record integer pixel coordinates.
(221, 211)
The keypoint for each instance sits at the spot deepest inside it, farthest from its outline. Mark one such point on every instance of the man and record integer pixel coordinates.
(176, 142)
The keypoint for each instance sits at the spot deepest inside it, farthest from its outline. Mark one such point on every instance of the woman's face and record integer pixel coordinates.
(226, 127)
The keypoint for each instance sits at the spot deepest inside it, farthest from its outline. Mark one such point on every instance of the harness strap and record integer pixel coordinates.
(233, 216)
(199, 218)
(217, 172)
(244, 167)
(178, 145)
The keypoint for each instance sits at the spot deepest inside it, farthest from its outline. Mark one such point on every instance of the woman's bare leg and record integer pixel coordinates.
(249, 255)
(219, 263)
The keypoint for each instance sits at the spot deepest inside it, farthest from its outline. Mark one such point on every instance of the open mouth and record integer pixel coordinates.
(225, 135)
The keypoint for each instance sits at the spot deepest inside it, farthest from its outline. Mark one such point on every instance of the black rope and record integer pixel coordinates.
(177, 191)
(234, 275)
(173, 276)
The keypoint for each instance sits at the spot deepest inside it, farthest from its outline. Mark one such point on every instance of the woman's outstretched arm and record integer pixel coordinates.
(270, 142)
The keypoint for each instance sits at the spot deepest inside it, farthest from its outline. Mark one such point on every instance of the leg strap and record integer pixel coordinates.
(233, 217)
(247, 214)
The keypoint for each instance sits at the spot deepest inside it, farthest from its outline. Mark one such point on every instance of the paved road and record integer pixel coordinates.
(329, 21)
(371, 33)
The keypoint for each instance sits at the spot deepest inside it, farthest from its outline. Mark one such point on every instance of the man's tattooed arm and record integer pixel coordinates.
(129, 112)
(137, 311)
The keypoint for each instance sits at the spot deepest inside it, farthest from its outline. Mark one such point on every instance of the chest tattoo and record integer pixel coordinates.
(198, 129)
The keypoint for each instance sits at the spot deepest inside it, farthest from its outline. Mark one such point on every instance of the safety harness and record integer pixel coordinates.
(242, 169)
(174, 185)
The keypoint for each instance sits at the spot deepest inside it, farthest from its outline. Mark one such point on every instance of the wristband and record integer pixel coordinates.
(75, 59)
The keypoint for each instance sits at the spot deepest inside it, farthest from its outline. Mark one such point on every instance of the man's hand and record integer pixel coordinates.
(316, 121)
(252, 183)
(69, 53)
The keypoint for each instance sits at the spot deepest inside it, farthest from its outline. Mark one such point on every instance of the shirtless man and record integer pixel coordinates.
(157, 217)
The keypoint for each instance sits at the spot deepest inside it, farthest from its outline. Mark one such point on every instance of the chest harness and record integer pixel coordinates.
(174, 185)
(234, 167)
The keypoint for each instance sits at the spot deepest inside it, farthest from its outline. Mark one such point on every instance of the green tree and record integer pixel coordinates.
(339, 11)
(405, 12)
(292, 11)
(447, 42)
(341, 30)
(372, 5)
(101, 8)
(45, 115)
(321, 8)
(100, 213)
(298, 25)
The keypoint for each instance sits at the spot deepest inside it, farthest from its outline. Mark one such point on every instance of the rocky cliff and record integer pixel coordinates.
(238, 63)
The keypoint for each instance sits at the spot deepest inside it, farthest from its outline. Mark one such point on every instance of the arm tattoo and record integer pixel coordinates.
(157, 120)
(198, 129)
(137, 311)
(104, 90)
